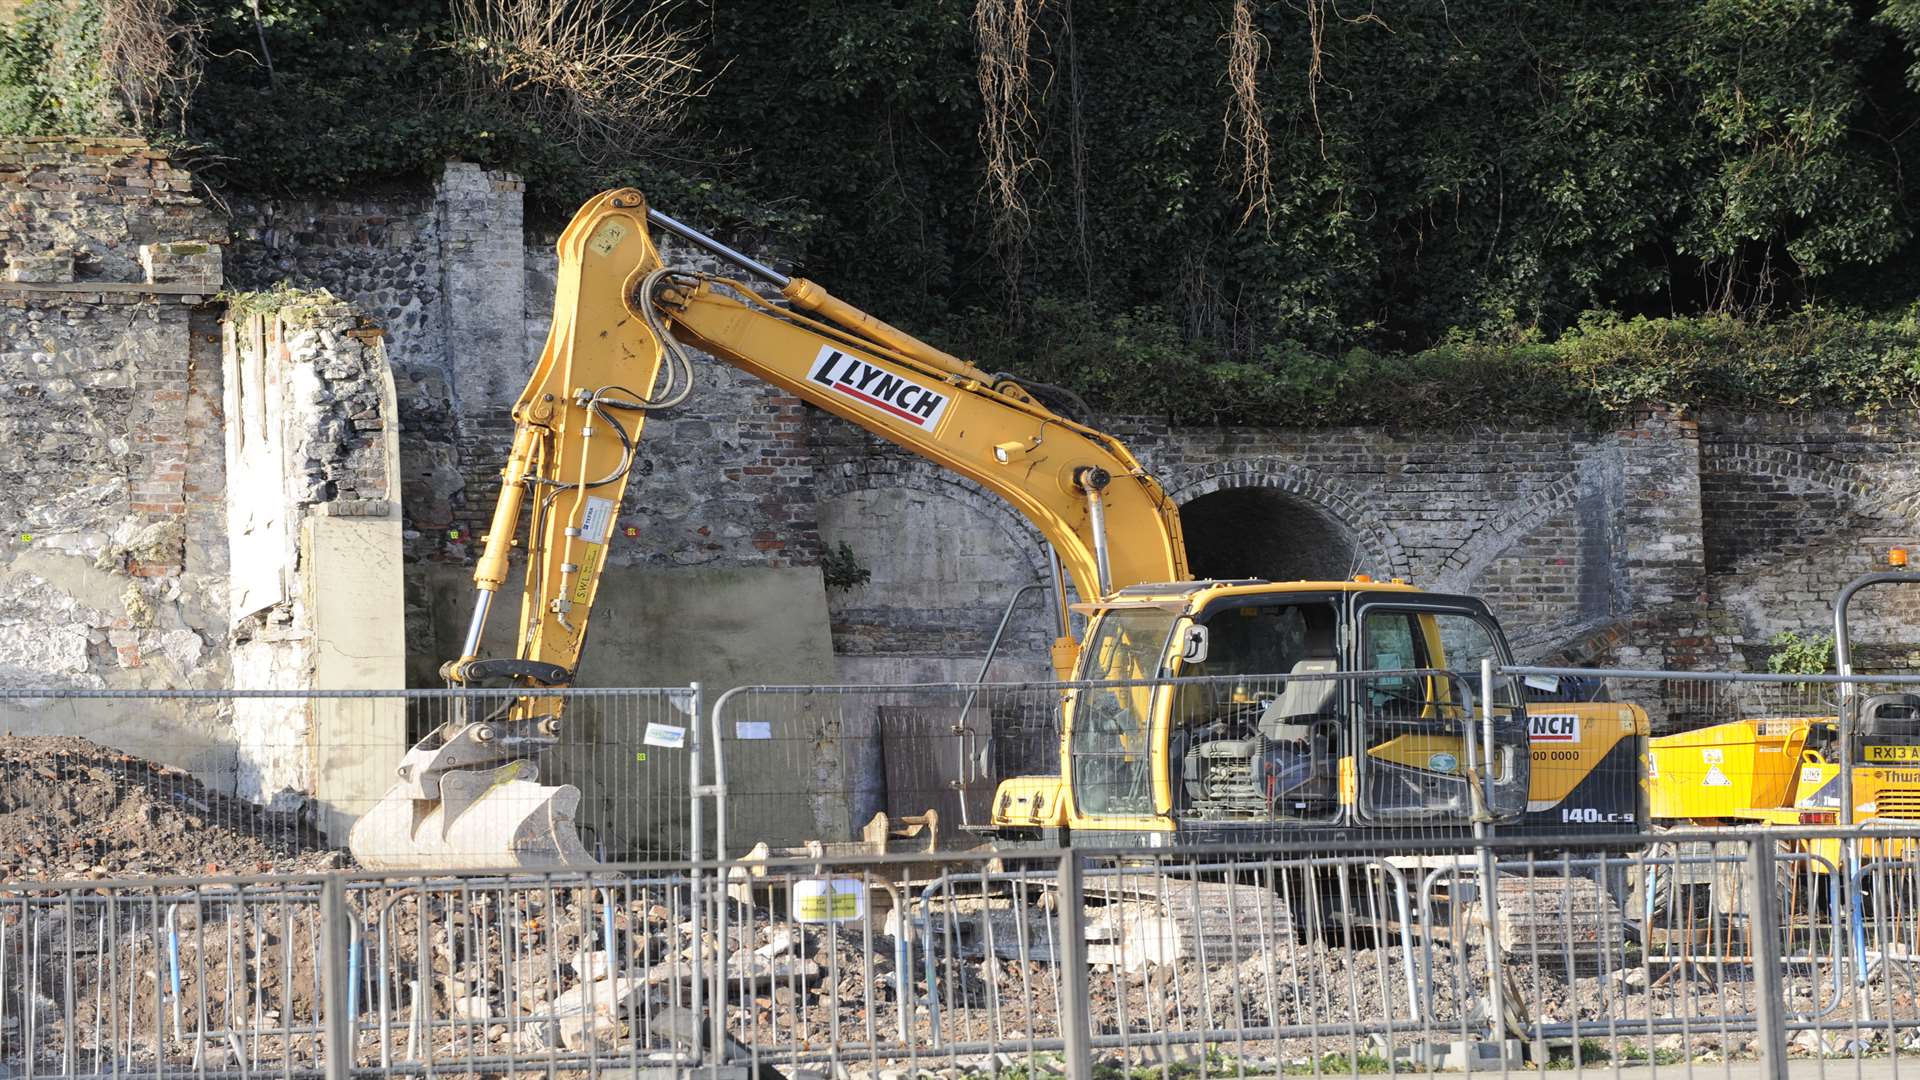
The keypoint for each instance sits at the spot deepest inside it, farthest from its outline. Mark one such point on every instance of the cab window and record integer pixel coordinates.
(1262, 743)
(1112, 724)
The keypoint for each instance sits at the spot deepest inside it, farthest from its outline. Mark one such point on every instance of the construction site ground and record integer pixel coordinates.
(73, 808)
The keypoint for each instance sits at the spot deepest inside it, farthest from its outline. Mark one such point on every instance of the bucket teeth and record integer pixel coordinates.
(493, 819)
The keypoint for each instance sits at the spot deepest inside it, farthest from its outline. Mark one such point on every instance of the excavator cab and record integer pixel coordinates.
(1311, 705)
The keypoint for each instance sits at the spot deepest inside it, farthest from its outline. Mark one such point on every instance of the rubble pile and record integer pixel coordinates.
(73, 808)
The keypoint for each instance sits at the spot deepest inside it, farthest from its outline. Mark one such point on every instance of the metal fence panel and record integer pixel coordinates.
(1727, 945)
(296, 769)
(1264, 961)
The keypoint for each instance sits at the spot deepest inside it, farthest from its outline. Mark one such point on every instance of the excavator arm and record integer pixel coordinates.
(1108, 520)
(468, 793)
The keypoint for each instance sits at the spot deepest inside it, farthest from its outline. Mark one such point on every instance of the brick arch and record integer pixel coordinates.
(1492, 539)
(1796, 465)
(1371, 533)
(1856, 488)
(909, 474)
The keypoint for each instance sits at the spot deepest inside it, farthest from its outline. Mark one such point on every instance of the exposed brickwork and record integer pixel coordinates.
(112, 566)
(1796, 505)
(1593, 546)
(98, 200)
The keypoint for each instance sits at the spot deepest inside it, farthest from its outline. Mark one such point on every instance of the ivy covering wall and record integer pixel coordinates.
(51, 81)
(1288, 212)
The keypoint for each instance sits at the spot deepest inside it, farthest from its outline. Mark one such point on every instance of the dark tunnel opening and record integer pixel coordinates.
(1265, 533)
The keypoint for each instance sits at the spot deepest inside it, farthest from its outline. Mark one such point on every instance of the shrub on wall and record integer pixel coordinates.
(1605, 365)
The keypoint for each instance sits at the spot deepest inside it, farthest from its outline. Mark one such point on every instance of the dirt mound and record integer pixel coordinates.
(73, 808)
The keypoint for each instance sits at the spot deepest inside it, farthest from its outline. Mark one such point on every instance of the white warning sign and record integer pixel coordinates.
(1716, 778)
(828, 900)
(666, 735)
(597, 520)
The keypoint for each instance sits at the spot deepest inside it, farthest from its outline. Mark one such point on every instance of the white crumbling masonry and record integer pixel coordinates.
(315, 552)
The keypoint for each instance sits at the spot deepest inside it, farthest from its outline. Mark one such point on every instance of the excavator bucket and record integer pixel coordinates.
(495, 819)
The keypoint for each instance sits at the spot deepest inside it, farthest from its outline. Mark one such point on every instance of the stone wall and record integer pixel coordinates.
(113, 559)
(168, 508)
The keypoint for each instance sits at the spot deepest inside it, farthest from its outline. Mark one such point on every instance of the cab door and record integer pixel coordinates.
(1423, 751)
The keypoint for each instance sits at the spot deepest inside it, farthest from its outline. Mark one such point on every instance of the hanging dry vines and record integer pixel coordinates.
(1009, 130)
(153, 60)
(1246, 125)
(1077, 146)
(605, 77)
(1317, 39)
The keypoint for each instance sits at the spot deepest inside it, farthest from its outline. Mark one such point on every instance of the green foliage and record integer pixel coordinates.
(1138, 363)
(50, 76)
(1795, 655)
(284, 296)
(1592, 1052)
(1338, 1064)
(842, 570)
(1479, 210)
(1467, 187)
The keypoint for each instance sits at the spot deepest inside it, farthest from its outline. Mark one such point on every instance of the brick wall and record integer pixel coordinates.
(1666, 541)
(1794, 506)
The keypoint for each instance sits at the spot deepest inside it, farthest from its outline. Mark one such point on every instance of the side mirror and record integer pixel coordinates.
(1193, 647)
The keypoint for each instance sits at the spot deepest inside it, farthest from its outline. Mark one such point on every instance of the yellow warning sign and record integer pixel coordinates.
(819, 900)
(589, 566)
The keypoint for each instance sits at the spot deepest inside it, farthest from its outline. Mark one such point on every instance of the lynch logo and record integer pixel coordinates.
(876, 387)
(1554, 727)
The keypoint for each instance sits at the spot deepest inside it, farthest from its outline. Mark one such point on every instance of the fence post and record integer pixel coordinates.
(335, 935)
(1770, 1007)
(1480, 765)
(696, 883)
(1075, 1029)
(696, 790)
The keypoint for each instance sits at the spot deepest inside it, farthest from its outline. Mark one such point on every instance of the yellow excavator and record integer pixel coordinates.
(1295, 736)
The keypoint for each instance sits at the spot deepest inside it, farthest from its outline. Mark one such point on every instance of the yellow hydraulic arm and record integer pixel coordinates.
(468, 793)
(619, 315)
(619, 318)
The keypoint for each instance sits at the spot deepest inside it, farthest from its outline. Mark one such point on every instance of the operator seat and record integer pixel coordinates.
(1302, 697)
(1307, 697)
(1295, 726)
(1889, 714)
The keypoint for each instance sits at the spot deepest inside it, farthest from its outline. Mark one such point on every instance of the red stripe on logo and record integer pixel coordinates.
(916, 421)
